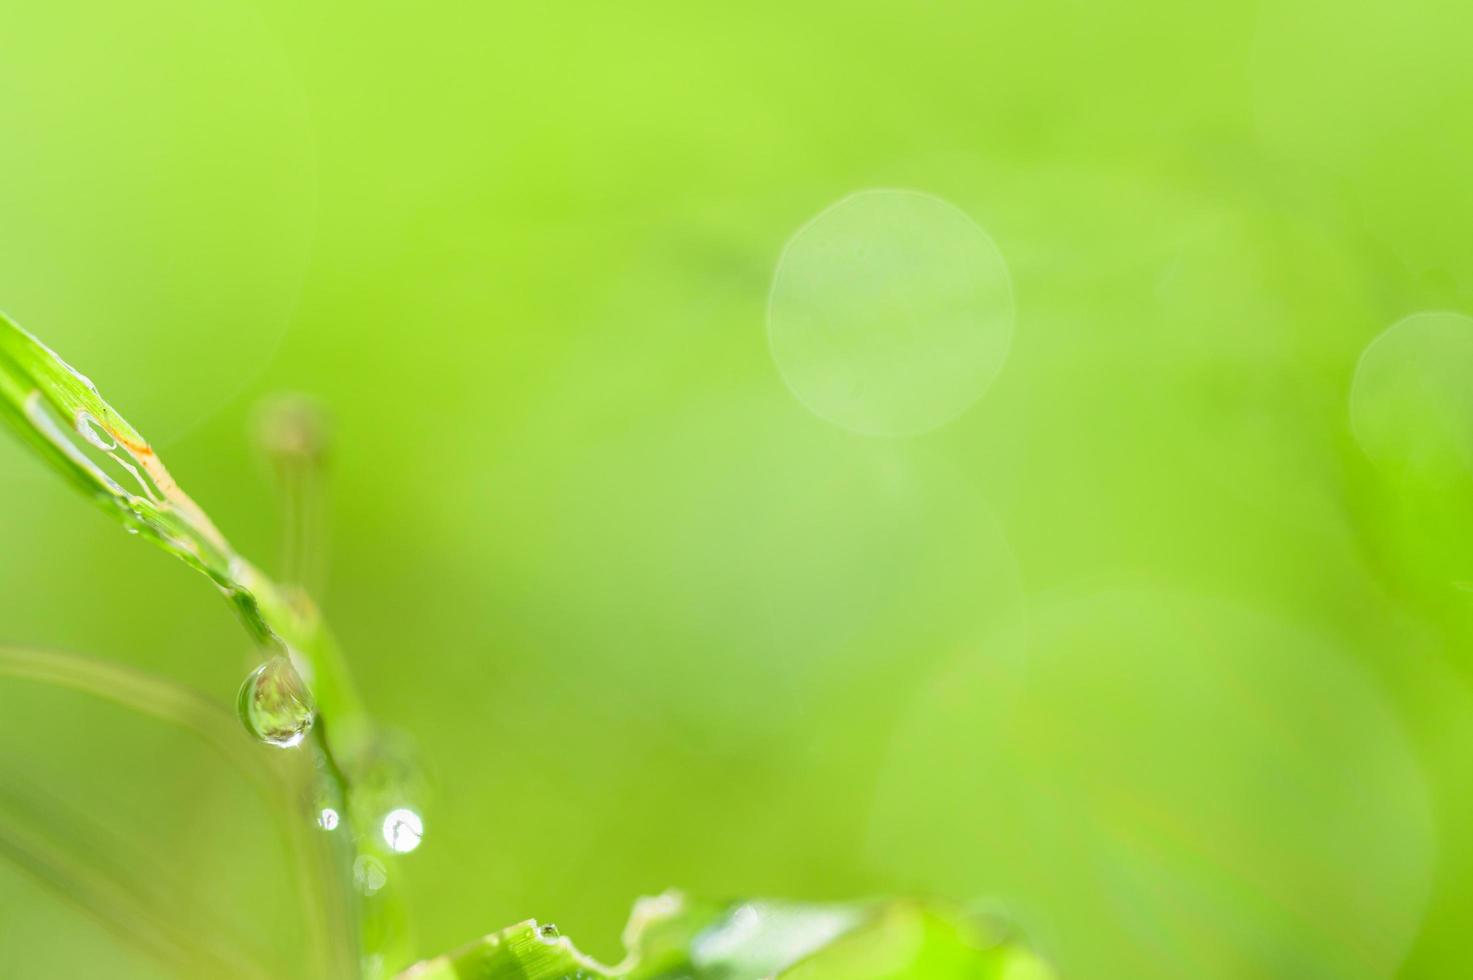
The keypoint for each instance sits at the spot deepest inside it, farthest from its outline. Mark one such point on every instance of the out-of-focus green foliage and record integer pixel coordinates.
(1162, 644)
(671, 937)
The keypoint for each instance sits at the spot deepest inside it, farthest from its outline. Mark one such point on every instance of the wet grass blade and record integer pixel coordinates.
(52, 405)
(59, 413)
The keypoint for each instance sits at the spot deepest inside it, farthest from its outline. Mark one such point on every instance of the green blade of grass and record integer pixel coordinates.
(49, 402)
(60, 414)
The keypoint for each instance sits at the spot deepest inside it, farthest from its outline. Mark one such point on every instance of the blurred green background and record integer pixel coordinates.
(1143, 647)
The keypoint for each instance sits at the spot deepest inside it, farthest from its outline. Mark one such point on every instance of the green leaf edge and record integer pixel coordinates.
(671, 938)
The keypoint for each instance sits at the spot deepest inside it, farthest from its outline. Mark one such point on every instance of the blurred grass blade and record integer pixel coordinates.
(156, 697)
(82, 862)
(670, 937)
(294, 436)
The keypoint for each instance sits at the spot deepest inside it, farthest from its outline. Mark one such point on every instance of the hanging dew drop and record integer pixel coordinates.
(403, 830)
(275, 705)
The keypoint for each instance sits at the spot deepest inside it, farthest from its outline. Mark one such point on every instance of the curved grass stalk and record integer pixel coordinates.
(81, 860)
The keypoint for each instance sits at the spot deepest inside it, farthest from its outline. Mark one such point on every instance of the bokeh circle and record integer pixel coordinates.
(891, 313)
(1184, 786)
(1411, 403)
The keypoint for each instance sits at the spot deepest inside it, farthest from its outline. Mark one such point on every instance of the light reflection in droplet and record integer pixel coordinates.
(403, 830)
(328, 819)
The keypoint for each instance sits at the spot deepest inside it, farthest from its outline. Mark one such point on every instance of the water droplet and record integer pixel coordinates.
(328, 818)
(369, 874)
(275, 705)
(548, 933)
(403, 830)
(890, 313)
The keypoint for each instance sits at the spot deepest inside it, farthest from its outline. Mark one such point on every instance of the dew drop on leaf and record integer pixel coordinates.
(275, 705)
(403, 830)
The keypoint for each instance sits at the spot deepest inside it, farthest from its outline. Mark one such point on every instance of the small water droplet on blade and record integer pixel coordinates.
(403, 830)
(328, 819)
(547, 933)
(275, 705)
